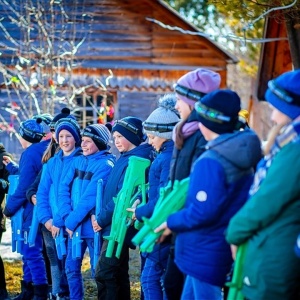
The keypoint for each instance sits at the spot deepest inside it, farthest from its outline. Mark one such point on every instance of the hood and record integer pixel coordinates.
(241, 148)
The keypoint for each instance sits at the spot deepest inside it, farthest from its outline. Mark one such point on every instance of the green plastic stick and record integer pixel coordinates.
(170, 201)
(134, 184)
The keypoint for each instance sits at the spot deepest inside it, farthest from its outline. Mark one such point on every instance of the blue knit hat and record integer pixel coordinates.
(284, 93)
(100, 135)
(219, 110)
(65, 113)
(131, 128)
(70, 125)
(31, 130)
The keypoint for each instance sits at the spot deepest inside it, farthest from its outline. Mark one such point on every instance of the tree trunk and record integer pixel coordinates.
(293, 33)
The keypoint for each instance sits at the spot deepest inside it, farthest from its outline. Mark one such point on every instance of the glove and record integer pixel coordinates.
(3, 183)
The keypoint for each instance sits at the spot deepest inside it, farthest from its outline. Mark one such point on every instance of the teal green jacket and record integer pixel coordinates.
(270, 223)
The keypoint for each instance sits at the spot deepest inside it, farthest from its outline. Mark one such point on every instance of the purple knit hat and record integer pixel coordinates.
(192, 86)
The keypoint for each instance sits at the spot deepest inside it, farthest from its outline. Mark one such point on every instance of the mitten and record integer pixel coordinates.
(3, 183)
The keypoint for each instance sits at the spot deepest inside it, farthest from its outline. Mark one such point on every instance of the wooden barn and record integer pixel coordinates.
(120, 59)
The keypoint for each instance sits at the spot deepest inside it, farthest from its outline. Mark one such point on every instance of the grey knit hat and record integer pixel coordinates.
(163, 119)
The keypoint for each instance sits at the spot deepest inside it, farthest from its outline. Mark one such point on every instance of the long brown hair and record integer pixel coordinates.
(52, 148)
(179, 138)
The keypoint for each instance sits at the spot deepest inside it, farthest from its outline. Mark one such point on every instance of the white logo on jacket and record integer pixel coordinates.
(201, 196)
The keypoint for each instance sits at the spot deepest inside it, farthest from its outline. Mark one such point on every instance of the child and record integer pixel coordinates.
(269, 221)
(47, 196)
(158, 127)
(80, 181)
(49, 129)
(189, 145)
(219, 183)
(112, 273)
(31, 133)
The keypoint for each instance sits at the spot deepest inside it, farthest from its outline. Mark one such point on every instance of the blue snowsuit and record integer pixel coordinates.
(81, 179)
(47, 206)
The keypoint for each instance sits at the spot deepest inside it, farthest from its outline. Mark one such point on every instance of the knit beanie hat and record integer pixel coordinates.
(219, 110)
(31, 130)
(46, 121)
(100, 135)
(284, 93)
(163, 119)
(131, 128)
(192, 86)
(65, 113)
(70, 125)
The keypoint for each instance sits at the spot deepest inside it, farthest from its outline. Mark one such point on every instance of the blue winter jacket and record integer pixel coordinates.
(83, 175)
(219, 185)
(29, 167)
(47, 194)
(158, 178)
(115, 182)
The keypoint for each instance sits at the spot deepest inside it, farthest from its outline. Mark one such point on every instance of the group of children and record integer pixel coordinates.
(194, 132)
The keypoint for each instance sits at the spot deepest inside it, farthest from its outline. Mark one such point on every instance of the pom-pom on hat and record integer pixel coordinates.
(46, 121)
(192, 86)
(70, 125)
(219, 110)
(65, 113)
(284, 93)
(131, 128)
(100, 135)
(31, 130)
(162, 120)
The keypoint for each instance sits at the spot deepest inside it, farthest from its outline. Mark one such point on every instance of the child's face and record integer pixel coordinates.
(88, 146)
(122, 144)
(66, 141)
(155, 141)
(183, 108)
(278, 117)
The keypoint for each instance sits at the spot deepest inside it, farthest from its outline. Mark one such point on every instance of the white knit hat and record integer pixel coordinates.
(163, 119)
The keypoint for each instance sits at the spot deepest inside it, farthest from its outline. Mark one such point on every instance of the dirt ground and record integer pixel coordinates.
(13, 274)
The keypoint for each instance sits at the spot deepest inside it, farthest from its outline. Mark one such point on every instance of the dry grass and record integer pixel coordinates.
(13, 272)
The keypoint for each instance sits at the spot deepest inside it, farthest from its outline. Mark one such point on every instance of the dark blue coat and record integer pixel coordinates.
(158, 178)
(219, 185)
(115, 182)
(29, 167)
